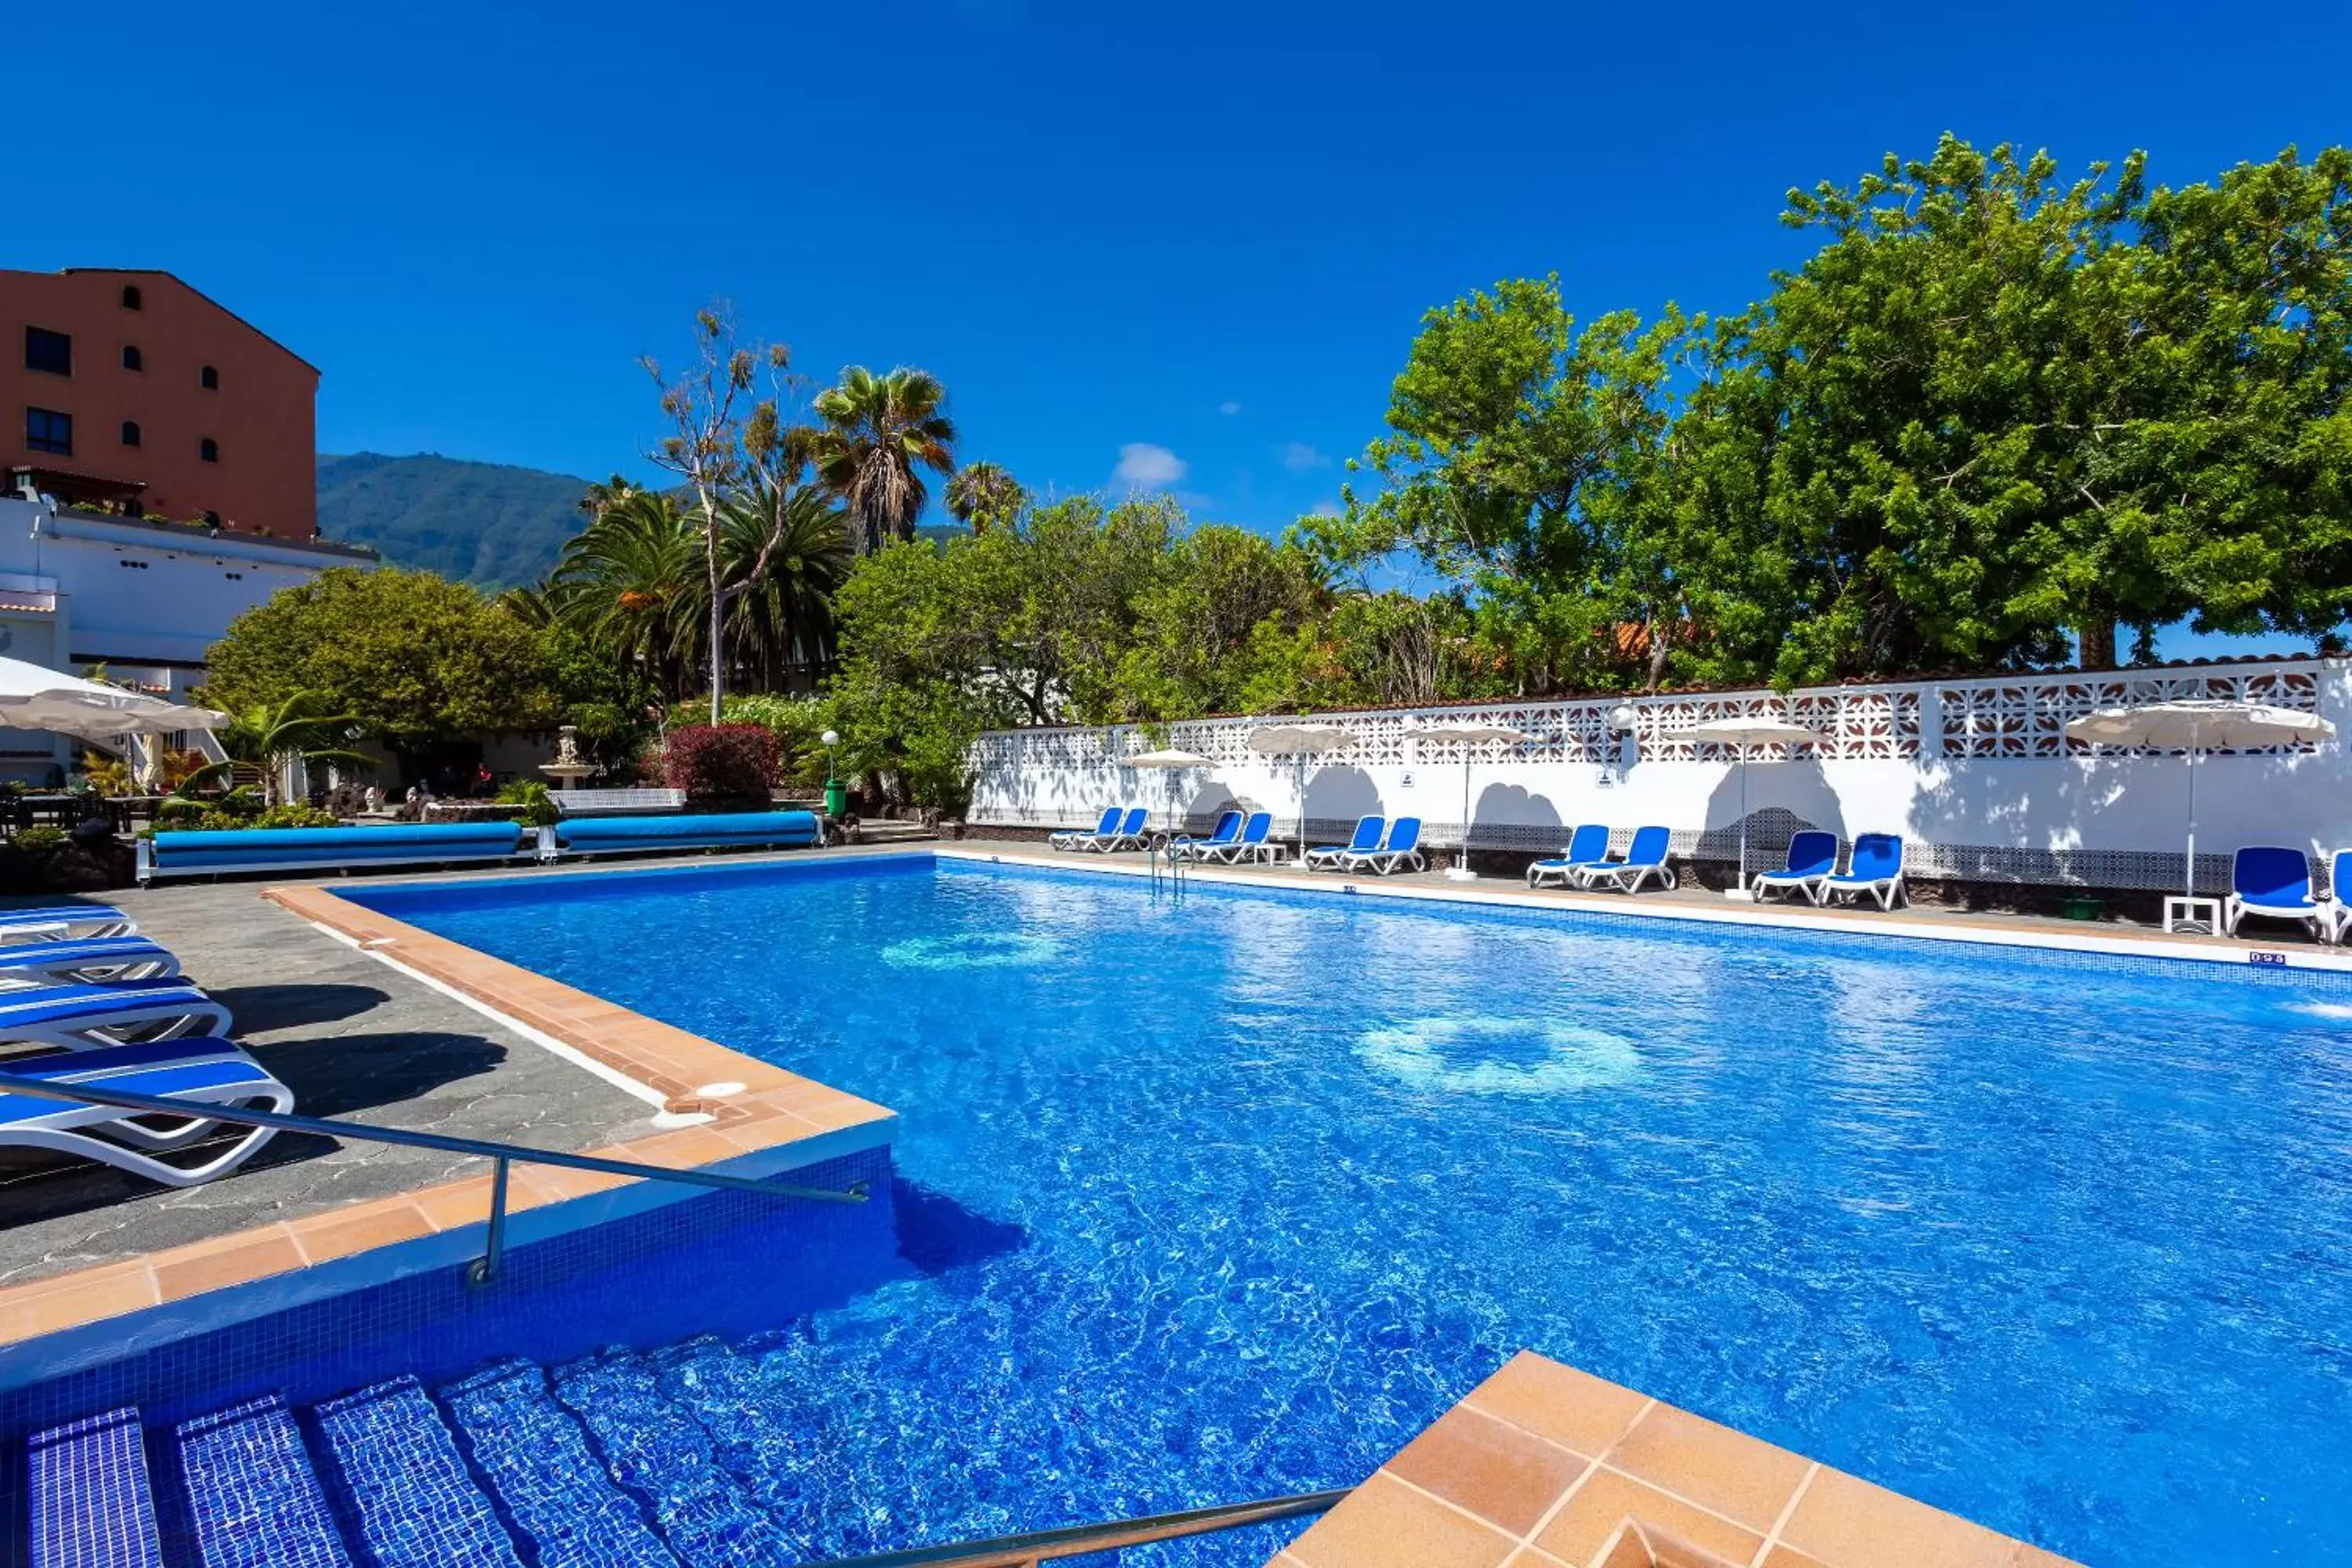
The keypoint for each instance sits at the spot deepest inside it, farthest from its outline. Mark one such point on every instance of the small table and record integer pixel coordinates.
(2195, 917)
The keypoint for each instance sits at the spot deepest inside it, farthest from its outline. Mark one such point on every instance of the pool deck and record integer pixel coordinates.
(2266, 942)
(1543, 1466)
(373, 1021)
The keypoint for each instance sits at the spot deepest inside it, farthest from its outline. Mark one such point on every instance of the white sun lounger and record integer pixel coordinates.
(198, 1072)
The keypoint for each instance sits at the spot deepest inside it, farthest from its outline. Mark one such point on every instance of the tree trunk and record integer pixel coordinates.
(2098, 644)
(718, 604)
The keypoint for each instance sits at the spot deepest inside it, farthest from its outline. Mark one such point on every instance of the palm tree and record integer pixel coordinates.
(984, 496)
(630, 582)
(267, 738)
(782, 620)
(877, 432)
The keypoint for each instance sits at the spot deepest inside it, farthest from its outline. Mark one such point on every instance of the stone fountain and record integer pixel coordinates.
(568, 769)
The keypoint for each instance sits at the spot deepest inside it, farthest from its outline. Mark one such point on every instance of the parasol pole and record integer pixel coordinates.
(1463, 866)
(1743, 816)
(2192, 874)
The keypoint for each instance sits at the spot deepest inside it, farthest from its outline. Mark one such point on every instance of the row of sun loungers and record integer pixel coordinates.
(1874, 869)
(85, 1000)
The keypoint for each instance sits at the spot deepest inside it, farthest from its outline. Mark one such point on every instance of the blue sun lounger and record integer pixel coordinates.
(1813, 860)
(1400, 849)
(91, 961)
(83, 1017)
(1645, 858)
(199, 1072)
(1252, 846)
(2274, 882)
(1876, 867)
(1227, 832)
(1588, 847)
(1068, 838)
(58, 922)
(1129, 835)
(1331, 856)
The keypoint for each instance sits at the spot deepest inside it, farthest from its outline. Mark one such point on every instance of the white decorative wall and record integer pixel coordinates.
(1977, 774)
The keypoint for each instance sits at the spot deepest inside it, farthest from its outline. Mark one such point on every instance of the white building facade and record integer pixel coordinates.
(146, 600)
(1976, 774)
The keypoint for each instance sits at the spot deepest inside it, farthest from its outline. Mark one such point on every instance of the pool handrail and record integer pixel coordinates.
(485, 1268)
(1042, 1546)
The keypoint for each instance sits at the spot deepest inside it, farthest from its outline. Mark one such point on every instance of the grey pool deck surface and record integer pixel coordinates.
(355, 1039)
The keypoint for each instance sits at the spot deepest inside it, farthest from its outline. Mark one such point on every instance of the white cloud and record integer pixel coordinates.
(1229, 407)
(1145, 467)
(1297, 457)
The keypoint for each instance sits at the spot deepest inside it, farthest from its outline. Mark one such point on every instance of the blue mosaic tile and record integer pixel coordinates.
(253, 1497)
(90, 1504)
(538, 1461)
(658, 1452)
(407, 1490)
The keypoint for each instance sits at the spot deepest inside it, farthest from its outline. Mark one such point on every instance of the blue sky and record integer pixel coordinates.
(1182, 245)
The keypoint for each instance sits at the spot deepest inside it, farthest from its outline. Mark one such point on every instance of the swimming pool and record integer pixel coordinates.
(1229, 1194)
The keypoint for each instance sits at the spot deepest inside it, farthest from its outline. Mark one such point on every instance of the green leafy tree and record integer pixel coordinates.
(1515, 434)
(406, 656)
(876, 435)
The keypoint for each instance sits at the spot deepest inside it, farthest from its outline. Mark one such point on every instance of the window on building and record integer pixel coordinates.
(49, 351)
(131, 432)
(208, 449)
(131, 358)
(47, 430)
(211, 378)
(130, 300)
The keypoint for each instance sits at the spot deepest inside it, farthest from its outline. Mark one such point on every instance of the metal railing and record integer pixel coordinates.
(485, 1268)
(1040, 1547)
(1160, 848)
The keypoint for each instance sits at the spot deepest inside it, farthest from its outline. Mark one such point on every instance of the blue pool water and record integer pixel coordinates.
(1229, 1195)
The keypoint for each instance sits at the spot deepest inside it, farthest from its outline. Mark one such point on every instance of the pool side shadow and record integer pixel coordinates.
(1546, 1467)
(761, 1121)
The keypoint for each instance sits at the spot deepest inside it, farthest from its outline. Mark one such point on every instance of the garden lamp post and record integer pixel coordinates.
(835, 798)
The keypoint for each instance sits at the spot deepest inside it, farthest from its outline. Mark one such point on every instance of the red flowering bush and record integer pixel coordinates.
(722, 761)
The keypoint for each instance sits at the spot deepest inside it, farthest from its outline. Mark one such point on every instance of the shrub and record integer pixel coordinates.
(538, 808)
(43, 839)
(107, 776)
(721, 761)
(276, 817)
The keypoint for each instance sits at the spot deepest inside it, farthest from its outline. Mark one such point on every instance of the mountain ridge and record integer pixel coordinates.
(495, 525)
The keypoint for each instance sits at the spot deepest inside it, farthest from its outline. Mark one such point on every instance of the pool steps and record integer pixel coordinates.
(90, 1504)
(545, 1474)
(671, 1459)
(411, 1501)
(254, 1501)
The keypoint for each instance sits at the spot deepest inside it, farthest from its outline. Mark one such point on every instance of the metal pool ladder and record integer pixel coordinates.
(485, 1268)
(1044, 1546)
(1165, 848)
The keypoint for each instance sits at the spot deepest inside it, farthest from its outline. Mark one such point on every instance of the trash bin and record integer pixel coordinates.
(836, 799)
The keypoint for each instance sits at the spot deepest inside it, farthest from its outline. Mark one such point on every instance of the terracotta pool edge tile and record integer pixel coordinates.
(223, 1262)
(39, 1306)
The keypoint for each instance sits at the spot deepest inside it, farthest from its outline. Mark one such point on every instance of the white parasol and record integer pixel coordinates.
(1470, 732)
(1167, 761)
(1753, 729)
(33, 697)
(1304, 743)
(2194, 726)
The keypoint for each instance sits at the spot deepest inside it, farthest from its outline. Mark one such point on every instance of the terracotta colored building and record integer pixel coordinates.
(129, 389)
